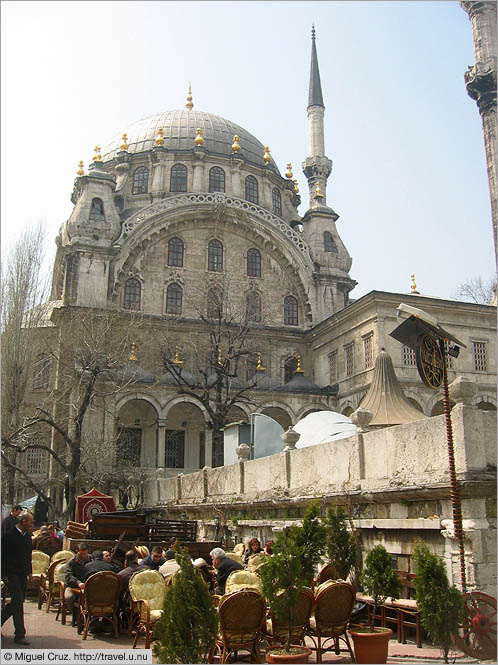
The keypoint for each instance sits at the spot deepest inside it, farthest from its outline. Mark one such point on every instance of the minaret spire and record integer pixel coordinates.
(317, 167)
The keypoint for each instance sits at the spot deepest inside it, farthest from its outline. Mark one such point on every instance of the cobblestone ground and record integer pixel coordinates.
(44, 632)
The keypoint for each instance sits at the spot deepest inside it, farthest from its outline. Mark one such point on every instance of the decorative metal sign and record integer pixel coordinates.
(430, 361)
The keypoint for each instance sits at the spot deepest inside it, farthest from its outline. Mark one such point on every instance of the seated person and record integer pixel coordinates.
(74, 579)
(223, 566)
(169, 568)
(131, 566)
(253, 547)
(268, 547)
(155, 559)
(99, 563)
(202, 565)
(42, 534)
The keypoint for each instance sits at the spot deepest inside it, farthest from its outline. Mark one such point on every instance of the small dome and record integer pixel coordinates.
(265, 382)
(132, 372)
(300, 384)
(180, 129)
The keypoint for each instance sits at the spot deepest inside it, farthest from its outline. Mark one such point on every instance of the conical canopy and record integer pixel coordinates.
(385, 399)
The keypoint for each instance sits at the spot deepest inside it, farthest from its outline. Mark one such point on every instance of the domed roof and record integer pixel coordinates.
(179, 129)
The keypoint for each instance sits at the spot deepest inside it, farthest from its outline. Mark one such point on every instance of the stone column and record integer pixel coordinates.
(209, 448)
(161, 441)
(198, 166)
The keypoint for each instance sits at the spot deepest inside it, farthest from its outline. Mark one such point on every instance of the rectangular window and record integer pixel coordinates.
(129, 446)
(408, 356)
(368, 350)
(174, 454)
(333, 367)
(35, 461)
(479, 354)
(449, 359)
(349, 358)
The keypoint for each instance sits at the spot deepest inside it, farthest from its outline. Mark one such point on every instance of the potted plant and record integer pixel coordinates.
(340, 543)
(282, 578)
(441, 606)
(188, 626)
(381, 582)
(311, 540)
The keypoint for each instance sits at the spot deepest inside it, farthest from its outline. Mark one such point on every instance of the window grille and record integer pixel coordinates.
(333, 367)
(215, 256)
(175, 252)
(216, 179)
(178, 181)
(174, 453)
(128, 447)
(479, 354)
(132, 294)
(408, 356)
(276, 201)
(254, 263)
(328, 242)
(251, 189)
(174, 296)
(97, 210)
(368, 350)
(290, 311)
(349, 359)
(290, 367)
(214, 304)
(140, 180)
(41, 373)
(35, 461)
(253, 306)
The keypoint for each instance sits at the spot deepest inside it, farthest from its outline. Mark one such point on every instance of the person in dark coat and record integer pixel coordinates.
(131, 566)
(99, 564)
(74, 578)
(16, 568)
(155, 559)
(223, 566)
(9, 522)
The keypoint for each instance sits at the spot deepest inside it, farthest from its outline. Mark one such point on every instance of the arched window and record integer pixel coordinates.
(178, 181)
(251, 189)
(175, 252)
(140, 180)
(41, 372)
(216, 179)
(132, 294)
(97, 210)
(290, 311)
(254, 263)
(328, 242)
(215, 256)
(253, 306)
(214, 303)
(290, 367)
(276, 200)
(174, 296)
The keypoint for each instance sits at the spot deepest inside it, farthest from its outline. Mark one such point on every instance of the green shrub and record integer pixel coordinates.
(341, 544)
(379, 578)
(310, 538)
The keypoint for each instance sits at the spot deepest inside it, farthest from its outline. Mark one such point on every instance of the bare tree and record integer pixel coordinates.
(24, 288)
(478, 290)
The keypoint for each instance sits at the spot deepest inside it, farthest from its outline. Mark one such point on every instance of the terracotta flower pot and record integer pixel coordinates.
(297, 654)
(371, 647)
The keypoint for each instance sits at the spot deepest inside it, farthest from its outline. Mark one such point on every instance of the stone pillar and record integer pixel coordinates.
(198, 166)
(209, 448)
(161, 441)
(237, 188)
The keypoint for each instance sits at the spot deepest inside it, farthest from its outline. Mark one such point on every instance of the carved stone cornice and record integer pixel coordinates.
(480, 80)
(317, 168)
(473, 7)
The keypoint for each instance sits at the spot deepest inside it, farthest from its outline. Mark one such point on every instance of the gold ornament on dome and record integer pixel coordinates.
(177, 360)
(235, 144)
(199, 140)
(288, 173)
(267, 156)
(259, 366)
(413, 284)
(299, 369)
(296, 187)
(97, 156)
(318, 193)
(160, 137)
(132, 354)
(80, 171)
(124, 145)
(189, 103)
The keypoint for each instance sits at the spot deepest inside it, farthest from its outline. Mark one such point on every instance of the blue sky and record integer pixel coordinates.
(409, 173)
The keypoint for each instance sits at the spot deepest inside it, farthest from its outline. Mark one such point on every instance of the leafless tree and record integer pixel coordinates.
(479, 290)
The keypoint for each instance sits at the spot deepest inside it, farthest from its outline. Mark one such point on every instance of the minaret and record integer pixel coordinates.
(316, 167)
(481, 85)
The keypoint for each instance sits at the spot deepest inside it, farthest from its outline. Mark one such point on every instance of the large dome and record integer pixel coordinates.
(179, 132)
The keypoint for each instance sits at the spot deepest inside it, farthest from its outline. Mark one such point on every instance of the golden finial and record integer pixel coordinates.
(296, 188)
(288, 173)
(259, 366)
(318, 193)
(177, 360)
(97, 157)
(413, 285)
(80, 170)
(160, 136)
(189, 103)
(124, 145)
(199, 140)
(220, 362)
(299, 369)
(267, 156)
(235, 144)
(132, 354)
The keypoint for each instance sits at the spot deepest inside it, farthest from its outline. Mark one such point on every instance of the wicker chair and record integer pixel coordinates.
(47, 589)
(147, 591)
(235, 557)
(39, 563)
(50, 545)
(62, 555)
(100, 600)
(325, 574)
(58, 590)
(239, 549)
(241, 615)
(276, 628)
(334, 602)
(255, 561)
(243, 579)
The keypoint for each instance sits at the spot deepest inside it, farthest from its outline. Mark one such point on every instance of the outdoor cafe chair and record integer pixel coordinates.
(58, 590)
(147, 591)
(62, 555)
(39, 564)
(276, 628)
(47, 590)
(243, 579)
(99, 600)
